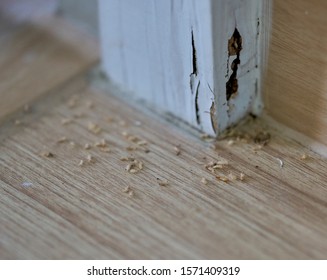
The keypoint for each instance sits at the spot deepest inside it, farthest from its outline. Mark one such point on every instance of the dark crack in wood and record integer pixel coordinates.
(234, 48)
(197, 111)
(194, 62)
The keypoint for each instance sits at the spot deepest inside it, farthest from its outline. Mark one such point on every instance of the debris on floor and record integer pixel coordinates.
(27, 184)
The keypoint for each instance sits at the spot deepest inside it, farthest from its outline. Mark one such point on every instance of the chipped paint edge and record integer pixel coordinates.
(202, 33)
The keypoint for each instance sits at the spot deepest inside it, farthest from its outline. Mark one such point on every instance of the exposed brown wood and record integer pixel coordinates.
(296, 88)
(38, 56)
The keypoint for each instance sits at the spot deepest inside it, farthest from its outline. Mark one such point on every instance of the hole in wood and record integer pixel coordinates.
(234, 48)
(194, 64)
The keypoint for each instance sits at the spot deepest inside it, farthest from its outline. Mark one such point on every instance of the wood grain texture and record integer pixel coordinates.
(39, 55)
(80, 212)
(296, 89)
(76, 211)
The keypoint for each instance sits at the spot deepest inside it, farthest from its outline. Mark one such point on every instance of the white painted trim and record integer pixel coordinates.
(245, 16)
(149, 49)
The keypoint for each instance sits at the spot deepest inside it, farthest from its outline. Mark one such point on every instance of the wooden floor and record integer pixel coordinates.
(61, 200)
(38, 56)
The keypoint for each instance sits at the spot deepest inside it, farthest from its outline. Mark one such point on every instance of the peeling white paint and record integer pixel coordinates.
(243, 15)
(148, 51)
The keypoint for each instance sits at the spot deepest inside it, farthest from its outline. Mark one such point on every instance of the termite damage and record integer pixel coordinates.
(234, 49)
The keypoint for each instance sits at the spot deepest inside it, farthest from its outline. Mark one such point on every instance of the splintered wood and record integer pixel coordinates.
(94, 128)
(133, 166)
(89, 158)
(87, 146)
(163, 182)
(62, 139)
(102, 145)
(218, 170)
(66, 121)
(259, 135)
(47, 154)
(231, 176)
(222, 178)
(213, 165)
(262, 138)
(177, 150)
(221, 169)
(129, 191)
(72, 102)
(182, 183)
(204, 181)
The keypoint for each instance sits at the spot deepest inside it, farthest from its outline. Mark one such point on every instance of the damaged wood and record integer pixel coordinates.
(194, 80)
(197, 110)
(194, 62)
(189, 42)
(213, 117)
(234, 48)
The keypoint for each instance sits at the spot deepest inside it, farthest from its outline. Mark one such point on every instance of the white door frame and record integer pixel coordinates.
(201, 61)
